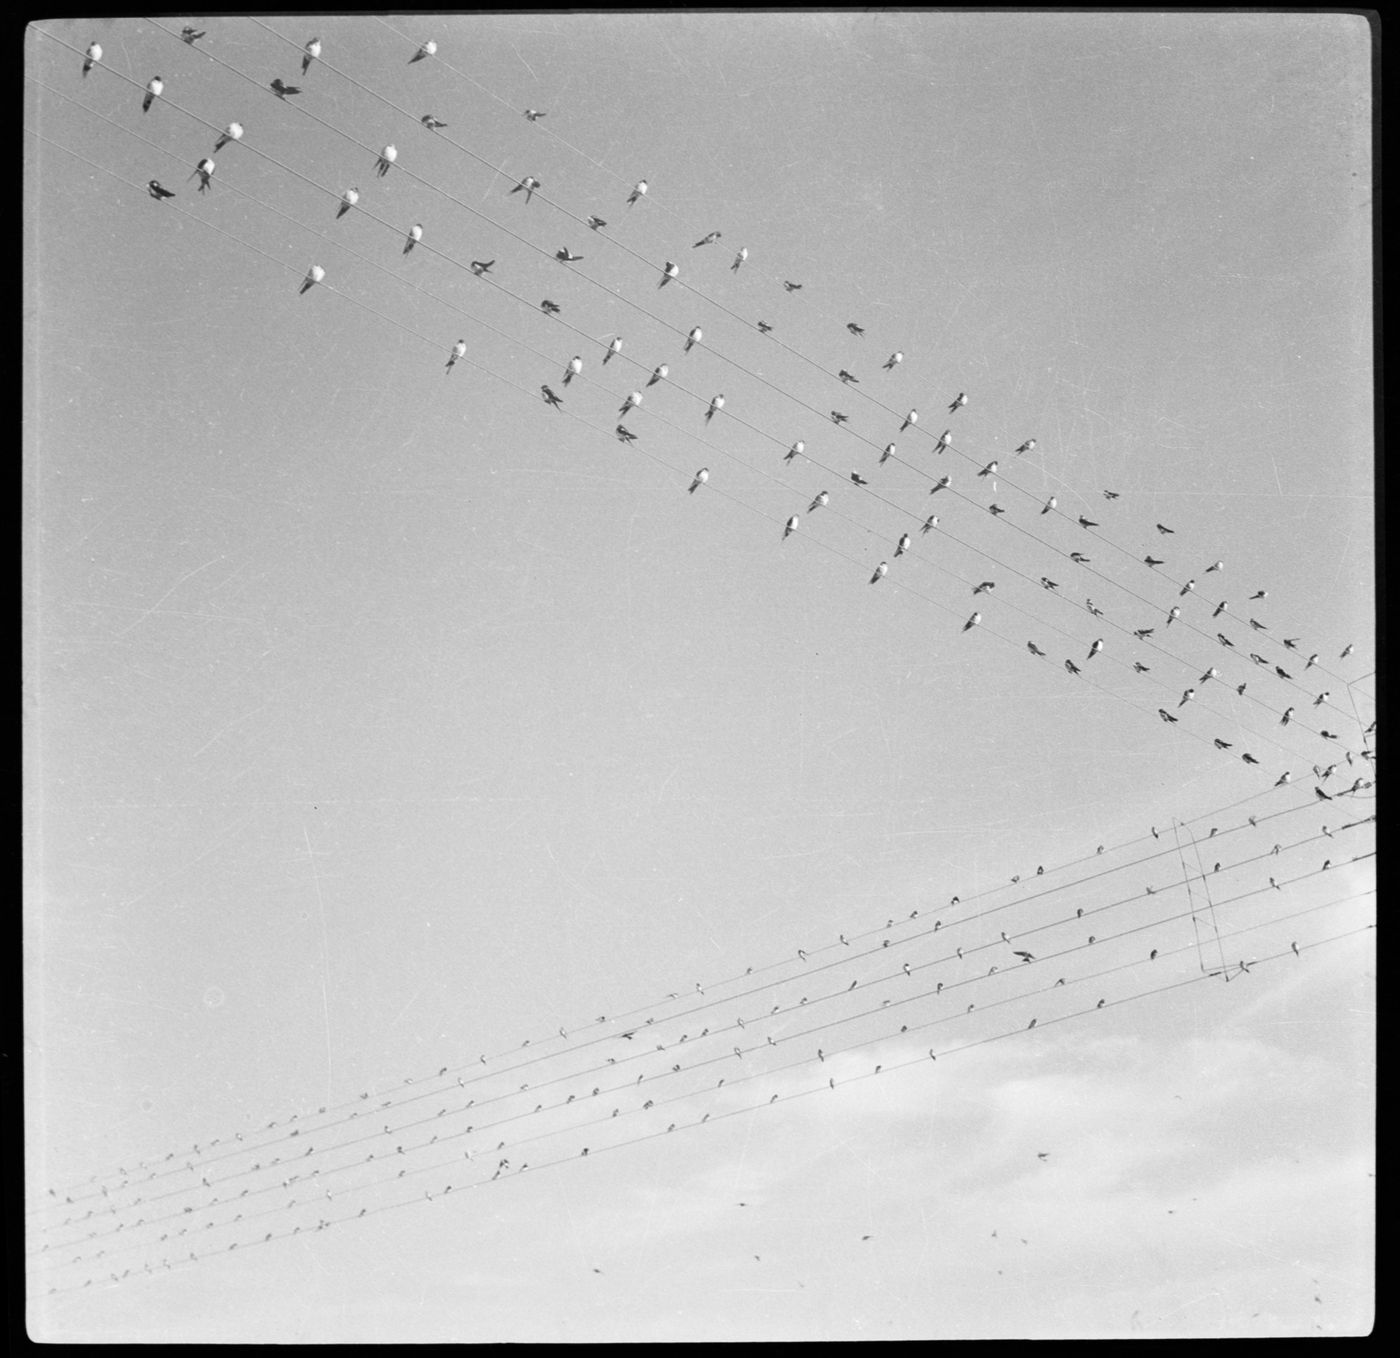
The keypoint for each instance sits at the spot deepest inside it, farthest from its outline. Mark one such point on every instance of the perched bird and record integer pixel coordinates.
(153, 92)
(693, 338)
(1211, 673)
(764, 328)
(281, 90)
(550, 308)
(838, 418)
(707, 240)
(459, 350)
(1080, 558)
(989, 469)
(1110, 495)
(205, 171)
(984, 586)
(1026, 446)
(796, 449)
(613, 348)
(882, 570)
(996, 509)
(1140, 667)
(791, 526)
(1249, 759)
(886, 453)
(529, 184)
(572, 371)
(1152, 560)
(1165, 715)
(566, 256)
(972, 622)
(597, 223)
(1322, 698)
(739, 259)
(1086, 523)
(1071, 667)
(348, 199)
(551, 397)
(1047, 583)
(431, 123)
(1223, 744)
(428, 49)
(233, 132)
(1287, 716)
(1034, 649)
(902, 546)
(657, 374)
(668, 273)
(1186, 589)
(1173, 616)
(92, 56)
(792, 287)
(1095, 649)
(1162, 528)
(481, 267)
(1281, 672)
(942, 483)
(847, 377)
(1144, 632)
(1321, 795)
(157, 192)
(701, 477)
(625, 435)
(1089, 604)
(1284, 777)
(1290, 643)
(1223, 639)
(415, 234)
(858, 479)
(314, 275)
(533, 115)
(945, 440)
(716, 404)
(1221, 607)
(1259, 594)
(958, 401)
(638, 191)
(386, 158)
(911, 418)
(929, 523)
(1186, 697)
(635, 399)
(1351, 646)
(894, 360)
(821, 498)
(854, 328)
(1051, 503)
(310, 52)
(1258, 659)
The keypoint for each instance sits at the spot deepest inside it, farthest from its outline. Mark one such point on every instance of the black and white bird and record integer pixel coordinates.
(205, 171)
(984, 586)
(92, 56)
(481, 267)
(942, 483)
(1224, 640)
(459, 350)
(838, 418)
(550, 308)
(233, 132)
(533, 115)
(1162, 528)
(1223, 744)
(989, 470)
(1026, 446)
(1284, 777)
(902, 545)
(553, 398)
(945, 440)
(1165, 715)
(528, 185)
(155, 189)
(693, 338)
(764, 328)
(670, 271)
(315, 274)
(624, 434)
(427, 49)
(701, 477)
(1249, 759)
(1173, 615)
(1143, 633)
(658, 374)
(1071, 667)
(1086, 523)
(957, 402)
(386, 158)
(1259, 594)
(1140, 667)
(795, 451)
(153, 92)
(1047, 583)
(972, 622)
(886, 453)
(739, 259)
(1051, 503)
(1351, 646)
(790, 527)
(930, 523)
(911, 418)
(1080, 558)
(996, 509)
(639, 191)
(1321, 698)
(1221, 607)
(716, 404)
(635, 399)
(1186, 589)
(282, 90)
(415, 234)
(596, 223)
(882, 570)
(310, 52)
(707, 240)
(431, 123)
(858, 480)
(1287, 716)
(821, 498)
(566, 256)
(1211, 673)
(1095, 649)
(1186, 697)
(575, 367)
(1110, 495)
(894, 360)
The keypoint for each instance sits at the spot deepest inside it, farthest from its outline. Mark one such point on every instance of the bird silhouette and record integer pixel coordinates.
(1034, 649)
(482, 267)
(1165, 715)
(1086, 523)
(596, 223)
(984, 586)
(847, 377)
(996, 509)
(550, 308)
(764, 328)
(957, 402)
(551, 397)
(282, 91)
(1071, 667)
(431, 123)
(625, 435)
(157, 192)
(792, 287)
(1162, 528)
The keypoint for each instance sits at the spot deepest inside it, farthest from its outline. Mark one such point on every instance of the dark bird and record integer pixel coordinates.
(528, 185)
(1165, 715)
(1249, 759)
(1223, 639)
(1259, 594)
(597, 223)
(566, 256)
(1042, 1155)
(989, 469)
(1223, 744)
(1140, 667)
(1152, 560)
(1257, 625)
(1220, 608)
(550, 308)
(1287, 717)
(153, 91)
(190, 35)
(764, 328)
(957, 402)
(1162, 528)
(481, 267)
(1110, 495)
(92, 56)
(431, 123)
(1080, 558)
(1281, 672)
(1290, 644)
(858, 479)
(854, 328)
(847, 377)
(984, 586)
(1047, 583)
(533, 115)
(428, 49)
(157, 192)
(792, 287)
(1086, 523)
(996, 509)
(1071, 667)
(551, 397)
(1143, 633)
(1034, 649)
(941, 484)
(625, 435)
(282, 91)
(1322, 796)
(1351, 646)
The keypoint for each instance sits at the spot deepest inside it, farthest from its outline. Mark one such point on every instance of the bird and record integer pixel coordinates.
(1165, 715)
(902, 545)
(1110, 495)
(764, 328)
(958, 401)
(205, 171)
(233, 132)
(716, 404)
(886, 453)
(431, 123)
(838, 418)
(989, 469)
(1281, 672)
(428, 49)
(1173, 615)
(945, 440)
(1030, 1025)
(1220, 608)
(1034, 649)
(550, 308)
(668, 273)
(1186, 696)
(1211, 673)
(882, 570)
(707, 240)
(739, 259)
(639, 190)
(791, 286)
(1089, 604)
(635, 399)
(1223, 639)
(1047, 583)
(459, 350)
(533, 115)
(281, 90)
(92, 56)
(972, 622)
(575, 367)
(481, 267)
(1071, 667)
(415, 234)
(858, 480)
(348, 199)
(551, 397)
(1080, 558)
(310, 51)
(984, 586)
(1223, 744)
(996, 509)
(854, 328)
(153, 92)
(1351, 646)
(1152, 560)
(1086, 523)
(1259, 594)
(1249, 759)
(790, 527)
(386, 158)
(1186, 589)
(693, 338)
(1095, 649)
(1162, 528)
(157, 192)
(657, 374)
(566, 256)
(893, 360)
(701, 477)
(1143, 633)
(1024, 956)
(314, 275)
(911, 418)
(625, 435)
(1051, 503)
(1290, 643)
(1321, 698)
(1140, 667)
(818, 500)
(596, 223)
(529, 184)
(794, 451)
(1026, 446)
(1287, 717)
(1284, 777)
(941, 484)
(847, 377)
(929, 523)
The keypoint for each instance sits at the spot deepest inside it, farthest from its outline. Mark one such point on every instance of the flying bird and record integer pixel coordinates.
(984, 586)
(701, 477)
(233, 132)
(882, 570)
(597, 223)
(972, 622)
(847, 377)
(551, 397)
(1086, 523)
(911, 418)
(1051, 503)
(1162, 528)
(428, 49)
(348, 199)
(858, 479)
(205, 171)
(431, 123)
(153, 92)
(575, 367)
(533, 115)
(716, 403)
(459, 350)
(281, 90)
(707, 240)
(838, 418)
(157, 192)
(529, 184)
(791, 527)
(92, 56)
(739, 259)
(314, 275)
(638, 191)
(818, 500)
(668, 273)
(854, 328)
(1071, 667)
(1034, 649)
(693, 338)
(959, 400)
(550, 308)
(657, 374)
(894, 359)
(481, 267)
(386, 158)
(310, 52)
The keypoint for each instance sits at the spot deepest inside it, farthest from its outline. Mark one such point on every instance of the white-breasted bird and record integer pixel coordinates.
(635, 399)
(597, 223)
(895, 358)
(529, 184)
(959, 400)
(533, 115)
(572, 371)
(315, 274)
(1186, 589)
(205, 171)
(972, 622)
(92, 56)
(707, 240)
(427, 49)
(668, 273)
(796, 449)
(1095, 649)
(693, 338)
(1211, 673)
(1186, 697)
(233, 132)
(1026, 446)
(415, 234)
(348, 199)
(984, 586)
(882, 570)
(1218, 566)
(930, 523)
(1321, 698)
(153, 92)
(886, 453)
(941, 484)
(639, 191)
(902, 545)
(310, 52)
(945, 440)
(158, 191)
(1173, 616)
(911, 418)
(658, 374)
(989, 470)
(1287, 716)
(613, 348)
(482, 267)
(459, 350)
(431, 123)
(822, 497)
(624, 434)
(716, 404)
(701, 477)
(858, 480)
(1351, 646)
(1051, 503)
(386, 158)
(790, 527)
(566, 256)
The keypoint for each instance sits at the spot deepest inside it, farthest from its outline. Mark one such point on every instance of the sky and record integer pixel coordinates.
(384, 720)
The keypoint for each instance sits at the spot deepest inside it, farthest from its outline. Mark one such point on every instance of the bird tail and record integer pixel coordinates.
(344, 208)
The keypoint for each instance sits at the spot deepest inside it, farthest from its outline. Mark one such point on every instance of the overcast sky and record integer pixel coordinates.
(382, 717)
